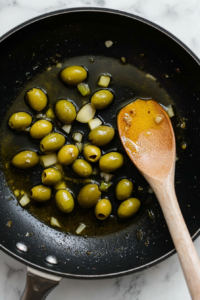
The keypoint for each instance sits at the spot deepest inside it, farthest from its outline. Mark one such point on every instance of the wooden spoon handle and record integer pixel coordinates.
(183, 243)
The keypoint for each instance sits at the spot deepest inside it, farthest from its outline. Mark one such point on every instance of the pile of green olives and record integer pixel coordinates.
(130, 206)
(56, 153)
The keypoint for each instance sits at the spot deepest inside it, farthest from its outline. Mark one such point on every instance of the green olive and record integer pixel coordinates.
(65, 111)
(37, 99)
(52, 142)
(111, 162)
(73, 75)
(101, 99)
(64, 201)
(88, 196)
(128, 208)
(41, 193)
(51, 176)
(124, 189)
(102, 135)
(82, 168)
(103, 209)
(20, 121)
(92, 153)
(25, 160)
(40, 129)
(68, 154)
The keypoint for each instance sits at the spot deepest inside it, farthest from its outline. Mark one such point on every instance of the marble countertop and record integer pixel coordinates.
(165, 280)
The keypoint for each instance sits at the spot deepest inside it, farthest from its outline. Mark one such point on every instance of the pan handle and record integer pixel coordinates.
(39, 285)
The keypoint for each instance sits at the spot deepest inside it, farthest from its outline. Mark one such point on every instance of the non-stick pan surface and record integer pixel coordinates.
(84, 32)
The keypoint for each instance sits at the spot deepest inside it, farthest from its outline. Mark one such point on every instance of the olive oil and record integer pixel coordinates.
(127, 83)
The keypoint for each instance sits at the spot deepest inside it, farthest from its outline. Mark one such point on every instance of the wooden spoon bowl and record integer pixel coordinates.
(147, 135)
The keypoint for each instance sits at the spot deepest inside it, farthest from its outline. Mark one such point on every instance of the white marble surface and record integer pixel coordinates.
(164, 281)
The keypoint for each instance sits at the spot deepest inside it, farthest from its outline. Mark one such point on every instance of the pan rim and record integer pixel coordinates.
(149, 23)
(101, 276)
(104, 10)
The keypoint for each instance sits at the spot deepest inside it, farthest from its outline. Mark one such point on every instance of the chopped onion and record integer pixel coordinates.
(9, 224)
(123, 60)
(104, 186)
(77, 137)
(83, 89)
(150, 191)
(16, 193)
(94, 123)
(24, 200)
(49, 160)
(170, 112)
(106, 176)
(40, 116)
(86, 113)
(67, 128)
(151, 77)
(80, 228)
(151, 215)
(158, 119)
(168, 109)
(183, 146)
(182, 125)
(50, 113)
(140, 188)
(177, 158)
(59, 65)
(54, 222)
(108, 44)
(60, 186)
(104, 80)
(27, 129)
(79, 146)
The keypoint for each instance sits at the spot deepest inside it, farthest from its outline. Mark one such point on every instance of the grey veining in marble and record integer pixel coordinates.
(164, 281)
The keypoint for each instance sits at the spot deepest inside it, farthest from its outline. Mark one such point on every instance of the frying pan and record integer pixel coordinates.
(85, 31)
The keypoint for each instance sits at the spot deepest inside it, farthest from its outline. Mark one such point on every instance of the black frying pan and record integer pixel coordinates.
(114, 254)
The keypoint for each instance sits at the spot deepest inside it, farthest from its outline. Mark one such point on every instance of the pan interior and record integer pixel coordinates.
(129, 83)
(145, 240)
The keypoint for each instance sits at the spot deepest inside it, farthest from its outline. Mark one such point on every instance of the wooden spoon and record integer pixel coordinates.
(147, 135)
